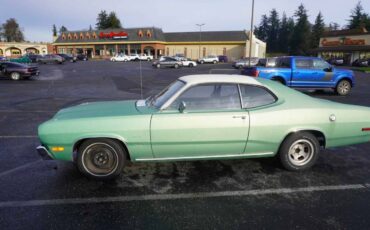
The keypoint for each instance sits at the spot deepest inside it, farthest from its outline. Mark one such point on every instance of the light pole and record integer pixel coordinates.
(200, 36)
(251, 35)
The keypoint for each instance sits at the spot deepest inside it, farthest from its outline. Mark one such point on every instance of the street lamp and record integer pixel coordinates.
(251, 35)
(200, 36)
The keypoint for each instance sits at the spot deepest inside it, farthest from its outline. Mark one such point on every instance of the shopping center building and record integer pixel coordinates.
(15, 49)
(347, 44)
(153, 41)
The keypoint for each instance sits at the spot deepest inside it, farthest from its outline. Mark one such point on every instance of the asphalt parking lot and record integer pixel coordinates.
(234, 194)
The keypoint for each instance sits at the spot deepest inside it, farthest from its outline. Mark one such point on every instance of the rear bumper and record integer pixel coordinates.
(44, 153)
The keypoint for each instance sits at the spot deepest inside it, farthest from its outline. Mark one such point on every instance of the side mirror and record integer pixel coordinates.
(182, 107)
(329, 69)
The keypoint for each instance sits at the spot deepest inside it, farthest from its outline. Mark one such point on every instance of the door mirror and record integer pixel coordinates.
(328, 69)
(182, 107)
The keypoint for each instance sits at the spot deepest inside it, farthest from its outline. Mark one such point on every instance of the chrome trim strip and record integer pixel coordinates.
(44, 153)
(205, 157)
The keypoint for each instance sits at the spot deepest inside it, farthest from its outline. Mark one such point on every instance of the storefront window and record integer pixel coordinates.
(99, 50)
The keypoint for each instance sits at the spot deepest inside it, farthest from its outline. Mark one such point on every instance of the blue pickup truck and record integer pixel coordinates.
(305, 72)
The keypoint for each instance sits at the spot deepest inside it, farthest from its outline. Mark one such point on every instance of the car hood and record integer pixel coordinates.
(98, 109)
(344, 71)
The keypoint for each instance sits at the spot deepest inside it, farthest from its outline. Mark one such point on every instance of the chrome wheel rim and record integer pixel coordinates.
(344, 87)
(301, 152)
(100, 159)
(15, 76)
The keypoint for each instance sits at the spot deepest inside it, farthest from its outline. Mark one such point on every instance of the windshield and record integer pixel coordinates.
(161, 98)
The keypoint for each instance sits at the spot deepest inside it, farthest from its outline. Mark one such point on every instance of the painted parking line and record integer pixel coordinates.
(157, 197)
(19, 136)
(18, 168)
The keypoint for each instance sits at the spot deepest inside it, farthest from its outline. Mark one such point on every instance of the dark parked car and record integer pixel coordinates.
(262, 62)
(17, 71)
(50, 58)
(82, 57)
(336, 61)
(33, 57)
(167, 62)
(223, 58)
(361, 62)
(68, 57)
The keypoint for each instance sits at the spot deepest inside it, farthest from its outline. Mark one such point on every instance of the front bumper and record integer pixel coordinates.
(44, 153)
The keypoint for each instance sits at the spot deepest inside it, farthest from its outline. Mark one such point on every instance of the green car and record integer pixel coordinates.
(203, 117)
(23, 59)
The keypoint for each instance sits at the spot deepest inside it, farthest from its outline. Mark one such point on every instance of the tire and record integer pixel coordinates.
(176, 66)
(148, 59)
(214, 62)
(202, 62)
(15, 76)
(299, 151)
(101, 159)
(158, 66)
(240, 67)
(343, 87)
(191, 65)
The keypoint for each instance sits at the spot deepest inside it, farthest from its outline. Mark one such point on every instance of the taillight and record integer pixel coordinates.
(365, 129)
(254, 73)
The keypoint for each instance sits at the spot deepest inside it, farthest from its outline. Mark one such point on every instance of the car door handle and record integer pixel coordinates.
(242, 117)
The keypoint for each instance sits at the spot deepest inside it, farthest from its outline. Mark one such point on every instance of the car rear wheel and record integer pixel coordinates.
(343, 87)
(15, 76)
(299, 151)
(202, 62)
(191, 65)
(214, 62)
(158, 66)
(101, 158)
(176, 66)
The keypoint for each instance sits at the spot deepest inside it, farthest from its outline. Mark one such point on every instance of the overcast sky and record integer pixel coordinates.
(36, 17)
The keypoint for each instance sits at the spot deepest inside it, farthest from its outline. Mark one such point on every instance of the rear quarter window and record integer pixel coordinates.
(256, 96)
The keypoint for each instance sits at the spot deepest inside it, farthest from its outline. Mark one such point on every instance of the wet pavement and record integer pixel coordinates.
(233, 194)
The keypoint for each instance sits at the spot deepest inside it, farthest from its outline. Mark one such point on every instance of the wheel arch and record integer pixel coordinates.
(344, 78)
(279, 78)
(77, 143)
(321, 138)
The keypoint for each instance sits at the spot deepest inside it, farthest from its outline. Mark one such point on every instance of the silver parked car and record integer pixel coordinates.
(239, 64)
(50, 58)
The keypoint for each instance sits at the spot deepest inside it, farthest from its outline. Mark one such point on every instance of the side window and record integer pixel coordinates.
(320, 64)
(283, 63)
(303, 63)
(254, 96)
(210, 97)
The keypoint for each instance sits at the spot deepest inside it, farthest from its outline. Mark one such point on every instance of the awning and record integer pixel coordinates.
(341, 49)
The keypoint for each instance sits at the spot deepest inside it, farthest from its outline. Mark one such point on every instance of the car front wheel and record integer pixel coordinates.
(101, 158)
(158, 66)
(299, 151)
(343, 88)
(15, 76)
(176, 66)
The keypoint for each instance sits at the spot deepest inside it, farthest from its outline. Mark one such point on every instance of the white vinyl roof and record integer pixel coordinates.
(219, 78)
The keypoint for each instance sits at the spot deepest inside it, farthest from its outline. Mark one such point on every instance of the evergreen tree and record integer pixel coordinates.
(102, 20)
(62, 29)
(11, 31)
(55, 30)
(285, 34)
(105, 21)
(333, 26)
(317, 31)
(358, 17)
(301, 35)
(262, 30)
(113, 21)
(273, 31)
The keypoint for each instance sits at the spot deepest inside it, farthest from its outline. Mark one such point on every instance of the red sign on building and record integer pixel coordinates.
(114, 35)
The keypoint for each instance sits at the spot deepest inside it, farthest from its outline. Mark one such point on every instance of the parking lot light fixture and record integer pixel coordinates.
(200, 36)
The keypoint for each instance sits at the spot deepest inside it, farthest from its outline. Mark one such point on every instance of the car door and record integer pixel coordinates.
(303, 75)
(212, 125)
(324, 75)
